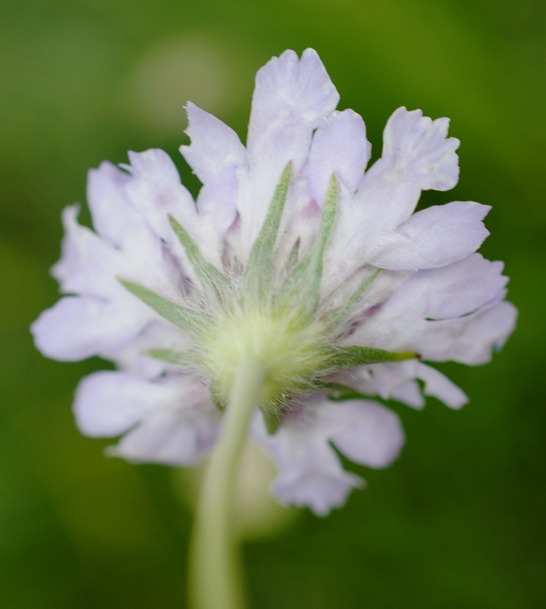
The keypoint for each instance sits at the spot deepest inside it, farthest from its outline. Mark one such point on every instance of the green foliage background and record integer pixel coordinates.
(458, 521)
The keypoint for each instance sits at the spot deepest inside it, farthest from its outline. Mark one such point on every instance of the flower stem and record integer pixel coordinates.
(214, 562)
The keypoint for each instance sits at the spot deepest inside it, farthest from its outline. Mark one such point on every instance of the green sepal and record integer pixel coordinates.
(354, 355)
(292, 286)
(210, 277)
(187, 320)
(341, 312)
(316, 256)
(166, 355)
(292, 260)
(309, 271)
(217, 396)
(259, 268)
(272, 419)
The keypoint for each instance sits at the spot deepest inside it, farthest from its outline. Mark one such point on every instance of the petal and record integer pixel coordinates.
(173, 419)
(156, 168)
(460, 288)
(339, 146)
(291, 99)
(359, 378)
(318, 490)
(439, 386)
(156, 191)
(388, 377)
(397, 381)
(436, 294)
(409, 393)
(420, 150)
(403, 321)
(119, 221)
(310, 473)
(471, 339)
(79, 327)
(372, 435)
(109, 403)
(214, 145)
(151, 262)
(217, 206)
(435, 237)
(388, 381)
(416, 156)
(491, 330)
(131, 356)
(88, 264)
(217, 199)
(171, 438)
(113, 214)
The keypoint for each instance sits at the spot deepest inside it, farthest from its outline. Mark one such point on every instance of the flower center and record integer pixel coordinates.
(293, 353)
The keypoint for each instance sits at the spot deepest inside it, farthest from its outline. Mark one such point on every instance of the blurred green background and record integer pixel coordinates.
(458, 521)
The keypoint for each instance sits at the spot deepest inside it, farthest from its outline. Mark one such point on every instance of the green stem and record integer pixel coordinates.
(215, 573)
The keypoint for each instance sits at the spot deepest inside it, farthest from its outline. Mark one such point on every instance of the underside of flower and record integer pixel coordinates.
(266, 313)
(296, 255)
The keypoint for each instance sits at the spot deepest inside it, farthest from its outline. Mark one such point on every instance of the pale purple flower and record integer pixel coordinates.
(350, 258)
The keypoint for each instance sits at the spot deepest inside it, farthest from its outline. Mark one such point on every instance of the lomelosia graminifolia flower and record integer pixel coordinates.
(294, 254)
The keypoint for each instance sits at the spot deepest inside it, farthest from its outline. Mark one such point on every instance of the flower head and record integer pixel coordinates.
(293, 254)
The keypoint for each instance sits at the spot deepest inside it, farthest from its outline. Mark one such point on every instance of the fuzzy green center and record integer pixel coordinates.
(292, 353)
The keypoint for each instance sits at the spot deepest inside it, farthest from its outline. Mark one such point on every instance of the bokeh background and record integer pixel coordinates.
(458, 521)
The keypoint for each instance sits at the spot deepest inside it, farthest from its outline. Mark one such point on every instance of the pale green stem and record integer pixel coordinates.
(215, 577)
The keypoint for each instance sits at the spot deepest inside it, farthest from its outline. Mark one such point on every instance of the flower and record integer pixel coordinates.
(294, 253)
